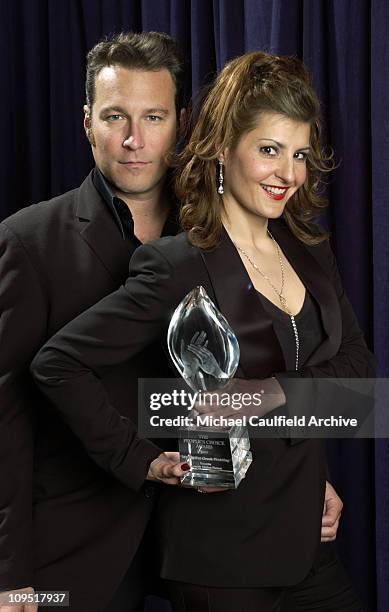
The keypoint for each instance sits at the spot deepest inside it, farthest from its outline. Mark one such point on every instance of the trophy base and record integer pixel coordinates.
(223, 478)
(220, 460)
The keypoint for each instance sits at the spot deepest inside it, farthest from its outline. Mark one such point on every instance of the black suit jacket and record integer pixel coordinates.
(242, 538)
(64, 522)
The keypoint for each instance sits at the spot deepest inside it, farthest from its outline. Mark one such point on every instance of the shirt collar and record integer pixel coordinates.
(118, 208)
(122, 213)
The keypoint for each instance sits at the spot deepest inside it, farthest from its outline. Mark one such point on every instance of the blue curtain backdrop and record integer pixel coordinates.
(344, 42)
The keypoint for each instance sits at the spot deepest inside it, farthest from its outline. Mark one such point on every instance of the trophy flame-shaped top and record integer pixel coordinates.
(202, 345)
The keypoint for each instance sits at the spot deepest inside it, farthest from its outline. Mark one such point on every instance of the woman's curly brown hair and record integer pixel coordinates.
(246, 87)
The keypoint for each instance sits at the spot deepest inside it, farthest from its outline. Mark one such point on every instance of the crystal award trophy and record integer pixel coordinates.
(205, 351)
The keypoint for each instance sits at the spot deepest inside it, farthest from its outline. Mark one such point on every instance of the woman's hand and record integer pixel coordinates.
(167, 468)
(331, 514)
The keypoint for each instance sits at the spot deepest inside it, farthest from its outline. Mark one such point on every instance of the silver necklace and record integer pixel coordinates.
(279, 293)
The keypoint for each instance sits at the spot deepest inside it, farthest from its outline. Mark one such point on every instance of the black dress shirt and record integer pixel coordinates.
(309, 327)
(122, 213)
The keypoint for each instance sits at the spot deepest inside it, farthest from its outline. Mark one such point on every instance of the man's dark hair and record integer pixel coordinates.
(139, 51)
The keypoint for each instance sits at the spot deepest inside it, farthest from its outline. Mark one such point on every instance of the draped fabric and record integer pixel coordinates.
(44, 152)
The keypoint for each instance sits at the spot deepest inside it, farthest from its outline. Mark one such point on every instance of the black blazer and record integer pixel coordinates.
(64, 522)
(243, 538)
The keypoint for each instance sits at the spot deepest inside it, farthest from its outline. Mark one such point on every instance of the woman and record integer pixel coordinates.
(249, 192)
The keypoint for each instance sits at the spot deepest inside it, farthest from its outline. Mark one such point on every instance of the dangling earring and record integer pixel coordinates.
(221, 179)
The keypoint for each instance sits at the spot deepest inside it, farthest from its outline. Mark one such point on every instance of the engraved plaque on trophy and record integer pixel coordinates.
(205, 351)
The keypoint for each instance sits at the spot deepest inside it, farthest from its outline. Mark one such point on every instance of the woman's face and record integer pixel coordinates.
(267, 166)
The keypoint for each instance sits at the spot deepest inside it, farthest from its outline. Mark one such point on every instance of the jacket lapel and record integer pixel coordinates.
(261, 353)
(318, 284)
(97, 227)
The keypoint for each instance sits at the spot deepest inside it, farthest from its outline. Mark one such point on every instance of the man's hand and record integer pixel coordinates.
(6, 601)
(331, 514)
(167, 468)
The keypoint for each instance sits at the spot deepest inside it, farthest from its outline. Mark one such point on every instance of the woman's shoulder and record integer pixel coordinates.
(320, 248)
(320, 243)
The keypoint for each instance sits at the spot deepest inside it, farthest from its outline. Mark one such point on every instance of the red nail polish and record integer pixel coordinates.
(185, 467)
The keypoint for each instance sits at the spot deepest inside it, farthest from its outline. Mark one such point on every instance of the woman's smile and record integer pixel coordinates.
(273, 192)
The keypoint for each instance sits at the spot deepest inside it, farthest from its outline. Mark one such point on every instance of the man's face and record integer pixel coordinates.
(132, 128)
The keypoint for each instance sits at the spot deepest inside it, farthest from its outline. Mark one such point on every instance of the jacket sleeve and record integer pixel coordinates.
(23, 315)
(353, 359)
(68, 369)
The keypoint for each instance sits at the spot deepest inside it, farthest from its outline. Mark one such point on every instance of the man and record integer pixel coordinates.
(65, 524)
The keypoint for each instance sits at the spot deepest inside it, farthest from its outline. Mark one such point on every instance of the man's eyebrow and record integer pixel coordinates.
(112, 109)
(122, 111)
(282, 146)
(157, 109)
